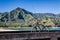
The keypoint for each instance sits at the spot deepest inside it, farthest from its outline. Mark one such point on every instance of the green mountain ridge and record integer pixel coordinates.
(15, 14)
(26, 18)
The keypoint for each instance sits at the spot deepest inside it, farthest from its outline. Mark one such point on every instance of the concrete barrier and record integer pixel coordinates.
(28, 35)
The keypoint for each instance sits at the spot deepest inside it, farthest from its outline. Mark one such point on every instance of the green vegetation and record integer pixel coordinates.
(22, 18)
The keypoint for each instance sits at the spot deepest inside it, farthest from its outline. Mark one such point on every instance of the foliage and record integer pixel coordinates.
(21, 18)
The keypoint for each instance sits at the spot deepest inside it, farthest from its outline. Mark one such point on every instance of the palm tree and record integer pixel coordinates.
(5, 21)
(36, 24)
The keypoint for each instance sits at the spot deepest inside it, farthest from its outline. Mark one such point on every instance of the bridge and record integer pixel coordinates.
(17, 35)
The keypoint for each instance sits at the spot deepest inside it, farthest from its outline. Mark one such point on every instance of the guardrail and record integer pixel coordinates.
(28, 35)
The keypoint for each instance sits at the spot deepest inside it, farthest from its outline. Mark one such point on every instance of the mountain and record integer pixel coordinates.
(46, 15)
(20, 13)
(16, 15)
(22, 17)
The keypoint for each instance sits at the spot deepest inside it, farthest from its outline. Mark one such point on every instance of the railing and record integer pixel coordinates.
(30, 35)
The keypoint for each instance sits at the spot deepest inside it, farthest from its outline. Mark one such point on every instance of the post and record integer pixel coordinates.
(53, 36)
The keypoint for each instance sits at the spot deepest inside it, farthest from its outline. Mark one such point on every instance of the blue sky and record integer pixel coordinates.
(35, 6)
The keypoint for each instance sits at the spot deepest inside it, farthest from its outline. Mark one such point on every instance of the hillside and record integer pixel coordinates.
(18, 16)
(54, 18)
(22, 18)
